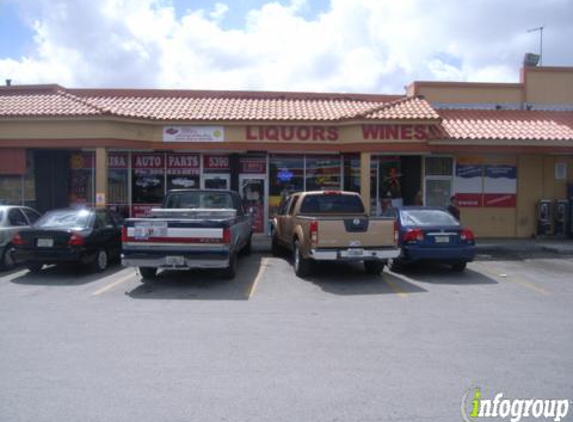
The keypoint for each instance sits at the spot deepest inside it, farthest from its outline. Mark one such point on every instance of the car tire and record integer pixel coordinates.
(374, 267)
(302, 266)
(275, 246)
(101, 261)
(7, 262)
(147, 273)
(230, 271)
(459, 267)
(34, 268)
(396, 266)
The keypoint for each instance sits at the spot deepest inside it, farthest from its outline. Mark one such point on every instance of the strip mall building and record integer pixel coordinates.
(500, 147)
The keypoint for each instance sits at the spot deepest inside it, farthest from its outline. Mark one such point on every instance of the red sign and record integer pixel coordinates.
(216, 162)
(469, 200)
(117, 161)
(142, 210)
(258, 217)
(292, 133)
(148, 161)
(499, 200)
(182, 161)
(85, 160)
(394, 132)
(253, 166)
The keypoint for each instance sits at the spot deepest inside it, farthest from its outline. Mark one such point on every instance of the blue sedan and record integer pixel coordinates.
(433, 234)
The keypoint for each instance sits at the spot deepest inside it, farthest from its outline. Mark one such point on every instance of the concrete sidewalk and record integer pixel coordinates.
(485, 246)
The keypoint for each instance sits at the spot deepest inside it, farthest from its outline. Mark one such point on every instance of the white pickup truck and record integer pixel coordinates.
(192, 229)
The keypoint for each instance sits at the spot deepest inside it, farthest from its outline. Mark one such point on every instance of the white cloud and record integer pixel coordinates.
(360, 46)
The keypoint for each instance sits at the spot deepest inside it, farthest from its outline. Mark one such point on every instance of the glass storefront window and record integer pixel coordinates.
(10, 190)
(351, 173)
(286, 176)
(438, 180)
(82, 179)
(147, 182)
(30, 181)
(323, 172)
(183, 171)
(117, 179)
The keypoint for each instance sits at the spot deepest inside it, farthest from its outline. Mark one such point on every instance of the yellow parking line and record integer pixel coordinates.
(112, 285)
(262, 269)
(525, 283)
(395, 288)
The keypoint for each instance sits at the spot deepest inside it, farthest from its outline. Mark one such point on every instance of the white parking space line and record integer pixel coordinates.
(115, 283)
(262, 268)
(12, 275)
(504, 277)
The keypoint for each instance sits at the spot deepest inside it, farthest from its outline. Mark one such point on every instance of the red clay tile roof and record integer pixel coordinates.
(507, 124)
(169, 105)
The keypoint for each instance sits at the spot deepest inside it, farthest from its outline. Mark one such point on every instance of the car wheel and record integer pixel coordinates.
(101, 261)
(301, 265)
(396, 266)
(231, 271)
(459, 267)
(34, 268)
(275, 246)
(147, 273)
(7, 262)
(374, 267)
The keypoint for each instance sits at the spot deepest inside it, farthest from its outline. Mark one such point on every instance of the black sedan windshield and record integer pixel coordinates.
(427, 218)
(65, 219)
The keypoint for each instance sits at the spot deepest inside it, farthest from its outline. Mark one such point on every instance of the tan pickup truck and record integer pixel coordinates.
(332, 225)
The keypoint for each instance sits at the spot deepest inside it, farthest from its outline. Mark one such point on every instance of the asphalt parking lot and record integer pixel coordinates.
(338, 346)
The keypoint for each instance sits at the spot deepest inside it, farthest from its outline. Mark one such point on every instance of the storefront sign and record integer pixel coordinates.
(117, 161)
(469, 185)
(183, 164)
(148, 161)
(100, 199)
(395, 132)
(193, 134)
(500, 186)
(292, 133)
(253, 166)
(82, 160)
(216, 162)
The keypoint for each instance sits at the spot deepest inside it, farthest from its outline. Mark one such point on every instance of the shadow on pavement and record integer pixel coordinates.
(64, 275)
(349, 278)
(201, 284)
(441, 274)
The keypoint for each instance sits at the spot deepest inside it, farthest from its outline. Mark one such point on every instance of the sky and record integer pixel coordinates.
(365, 46)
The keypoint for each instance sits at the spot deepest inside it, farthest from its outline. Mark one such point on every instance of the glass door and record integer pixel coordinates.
(216, 181)
(252, 190)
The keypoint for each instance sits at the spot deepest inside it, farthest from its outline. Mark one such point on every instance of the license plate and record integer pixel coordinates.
(355, 252)
(45, 243)
(177, 261)
(442, 239)
(150, 229)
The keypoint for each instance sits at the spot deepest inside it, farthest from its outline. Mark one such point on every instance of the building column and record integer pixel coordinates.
(101, 177)
(365, 179)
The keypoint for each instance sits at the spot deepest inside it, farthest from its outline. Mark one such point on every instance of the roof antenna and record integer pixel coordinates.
(8, 82)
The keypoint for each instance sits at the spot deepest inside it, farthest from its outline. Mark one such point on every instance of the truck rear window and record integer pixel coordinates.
(332, 203)
(199, 200)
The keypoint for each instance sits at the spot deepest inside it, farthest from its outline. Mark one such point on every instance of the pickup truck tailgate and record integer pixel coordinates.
(355, 232)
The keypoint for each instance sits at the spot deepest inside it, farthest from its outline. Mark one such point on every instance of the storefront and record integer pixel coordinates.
(394, 150)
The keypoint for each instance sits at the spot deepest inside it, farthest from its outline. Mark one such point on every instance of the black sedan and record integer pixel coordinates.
(89, 237)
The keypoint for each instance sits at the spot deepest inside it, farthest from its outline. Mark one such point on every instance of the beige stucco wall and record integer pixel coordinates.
(470, 93)
(549, 85)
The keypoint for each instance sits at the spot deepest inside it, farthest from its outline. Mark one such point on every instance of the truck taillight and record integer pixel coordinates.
(313, 232)
(467, 236)
(17, 240)
(226, 235)
(124, 234)
(76, 240)
(414, 235)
